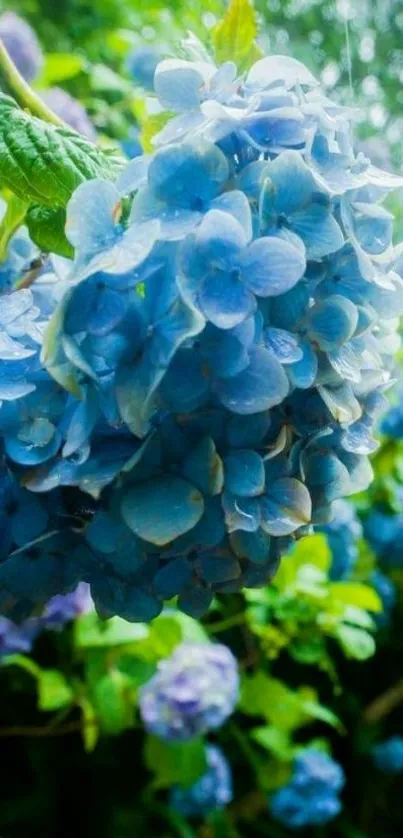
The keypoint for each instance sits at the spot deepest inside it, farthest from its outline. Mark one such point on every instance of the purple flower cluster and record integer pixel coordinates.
(21, 44)
(193, 691)
(212, 791)
(58, 611)
(70, 110)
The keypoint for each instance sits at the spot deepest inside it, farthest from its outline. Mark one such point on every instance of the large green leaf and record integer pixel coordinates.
(234, 37)
(54, 692)
(43, 163)
(46, 228)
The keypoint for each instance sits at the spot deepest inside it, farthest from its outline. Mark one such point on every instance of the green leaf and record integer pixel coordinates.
(11, 221)
(46, 228)
(105, 80)
(43, 163)
(234, 37)
(179, 763)
(270, 698)
(315, 710)
(165, 634)
(191, 629)
(356, 642)
(274, 740)
(354, 593)
(114, 702)
(54, 692)
(58, 67)
(91, 632)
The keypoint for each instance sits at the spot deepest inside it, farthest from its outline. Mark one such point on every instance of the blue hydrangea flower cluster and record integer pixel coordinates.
(192, 692)
(58, 611)
(343, 533)
(384, 532)
(212, 791)
(388, 755)
(70, 110)
(22, 45)
(311, 798)
(200, 384)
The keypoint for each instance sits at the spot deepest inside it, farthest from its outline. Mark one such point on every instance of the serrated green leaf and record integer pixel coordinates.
(46, 228)
(234, 37)
(54, 692)
(179, 763)
(91, 632)
(43, 163)
(114, 702)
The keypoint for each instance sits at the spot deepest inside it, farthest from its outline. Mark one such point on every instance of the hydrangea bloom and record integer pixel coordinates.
(216, 353)
(388, 755)
(343, 533)
(21, 44)
(70, 110)
(193, 691)
(58, 611)
(384, 532)
(141, 64)
(386, 591)
(212, 791)
(311, 798)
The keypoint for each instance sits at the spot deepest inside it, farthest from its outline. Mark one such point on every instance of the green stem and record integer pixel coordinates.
(246, 749)
(223, 625)
(13, 83)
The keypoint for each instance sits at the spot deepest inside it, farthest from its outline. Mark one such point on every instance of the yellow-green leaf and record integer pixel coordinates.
(357, 594)
(234, 37)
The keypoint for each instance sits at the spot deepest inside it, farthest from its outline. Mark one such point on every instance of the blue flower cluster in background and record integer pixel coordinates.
(70, 110)
(58, 611)
(200, 384)
(388, 755)
(212, 791)
(21, 44)
(311, 798)
(343, 533)
(192, 692)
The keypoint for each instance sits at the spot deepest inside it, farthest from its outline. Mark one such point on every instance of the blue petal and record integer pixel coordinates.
(332, 322)
(203, 467)
(162, 509)
(254, 546)
(280, 68)
(225, 301)
(293, 182)
(178, 83)
(318, 230)
(244, 473)
(271, 266)
(188, 174)
(172, 578)
(195, 600)
(286, 507)
(216, 568)
(237, 204)
(276, 128)
(373, 226)
(261, 386)
(286, 347)
(302, 373)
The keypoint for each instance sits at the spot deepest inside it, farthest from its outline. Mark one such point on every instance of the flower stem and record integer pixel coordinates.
(13, 83)
(246, 749)
(223, 625)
